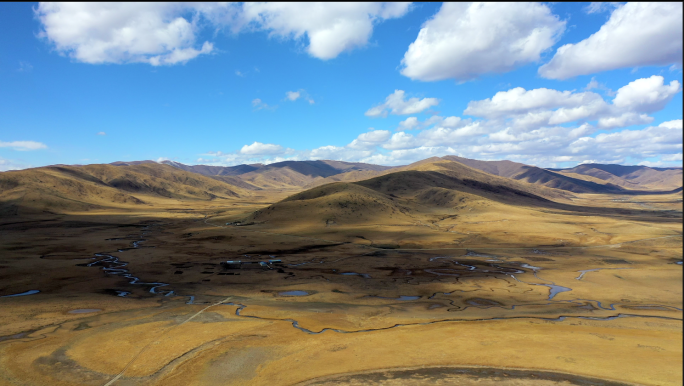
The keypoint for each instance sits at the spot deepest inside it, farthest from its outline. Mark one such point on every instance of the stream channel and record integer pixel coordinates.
(112, 265)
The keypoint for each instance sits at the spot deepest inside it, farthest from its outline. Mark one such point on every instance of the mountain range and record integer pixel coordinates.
(436, 180)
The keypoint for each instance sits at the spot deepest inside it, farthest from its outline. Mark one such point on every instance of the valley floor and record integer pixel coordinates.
(522, 297)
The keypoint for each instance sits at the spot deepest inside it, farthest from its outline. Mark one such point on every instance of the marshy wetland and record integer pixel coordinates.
(143, 298)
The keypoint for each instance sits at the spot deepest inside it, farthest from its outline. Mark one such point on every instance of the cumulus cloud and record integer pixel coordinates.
(598, 7)
(518, 101)
(594, 84)
(412, 123)
(673, 157)
(401, 140)
(369, 140)
(665, 138)
(154, 33)
(167, 33)
(294, 95)
(258, 148)
(624, 120)
(258, 104)
(636, 35)
(409, 123)
(530, 109)
(541, 127)
(23, 145)
(331, 28)
(101, 133)
(341, 153)
(646, 94)
(396, 104)
(465, 40)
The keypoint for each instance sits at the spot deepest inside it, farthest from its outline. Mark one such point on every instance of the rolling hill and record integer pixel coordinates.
(589, 178)
(77, 188)
(633, 177)
(424, 188)
(507, 169)
(279, 175)
(536, 175)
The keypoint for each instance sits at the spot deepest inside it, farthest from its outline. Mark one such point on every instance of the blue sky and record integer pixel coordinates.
(379, 83)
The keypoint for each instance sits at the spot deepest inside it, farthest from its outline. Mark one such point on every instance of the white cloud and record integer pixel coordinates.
(258, 148)
(407, 156)
(331, 28)
(598, 7)
(101, 133)
(409, 123)
(258, 104)
(653, 141)
(167, 33)
(530, 109)
(154, 33)
(369, 140)
(541, 127)
(519, 101)
(465, 40)
(375, 136)
(624, 120)
(396, 104)
(646, 94)
(672, 157)
(341, 153)
(23, 145)
(6, 164)
(544, 146)
(401, 140)
(653, 164)
(294, 95)
(636, 35)
(593, 108)
(594, 84)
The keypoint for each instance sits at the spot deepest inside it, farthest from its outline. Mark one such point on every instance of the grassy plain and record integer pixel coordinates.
(470, 291)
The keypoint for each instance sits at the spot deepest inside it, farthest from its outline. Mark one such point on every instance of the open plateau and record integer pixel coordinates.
(445, 271)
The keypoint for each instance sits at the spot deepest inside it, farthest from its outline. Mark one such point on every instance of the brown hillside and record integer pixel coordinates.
(353, 176)
(401, 197)
(333, 204)
(280, 175)
(539, 176)
(642, 176)
(463, 172)
(78, 188)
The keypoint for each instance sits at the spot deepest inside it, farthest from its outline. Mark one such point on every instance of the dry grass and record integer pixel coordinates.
(401, 236)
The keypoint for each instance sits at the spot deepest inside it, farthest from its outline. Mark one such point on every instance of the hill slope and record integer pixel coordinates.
(76, 188)
(403, 196)
(535, 175)
(280, 175)
(636, 177)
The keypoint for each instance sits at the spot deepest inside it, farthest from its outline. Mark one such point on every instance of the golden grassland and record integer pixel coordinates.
(426, 286)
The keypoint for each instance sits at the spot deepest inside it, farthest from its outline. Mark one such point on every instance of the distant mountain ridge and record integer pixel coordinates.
(586, 178)
(279, 175)
(614, 179)
(81, 188)
(634, 177)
